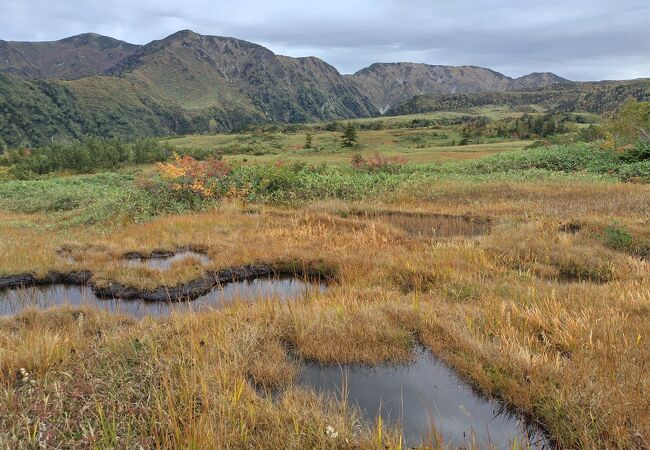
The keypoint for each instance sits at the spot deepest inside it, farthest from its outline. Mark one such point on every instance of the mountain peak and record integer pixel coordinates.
(183, 34)
(96, 40)
(389, 84)
(537, 80)
(210, 71)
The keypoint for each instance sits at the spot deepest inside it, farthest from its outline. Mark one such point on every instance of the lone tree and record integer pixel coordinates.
(349, 138)
(308, 141)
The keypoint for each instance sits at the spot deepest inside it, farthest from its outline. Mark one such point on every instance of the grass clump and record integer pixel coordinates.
(576, 270)
(617, 236)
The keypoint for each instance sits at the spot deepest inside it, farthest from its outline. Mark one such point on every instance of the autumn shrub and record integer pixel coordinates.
(191, 178)
(378, 163)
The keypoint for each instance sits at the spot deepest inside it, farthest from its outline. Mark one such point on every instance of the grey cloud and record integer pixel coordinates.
(580, 40)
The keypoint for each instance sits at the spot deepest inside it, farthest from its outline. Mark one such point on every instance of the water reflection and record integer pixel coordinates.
(13, 301)
(419, 395)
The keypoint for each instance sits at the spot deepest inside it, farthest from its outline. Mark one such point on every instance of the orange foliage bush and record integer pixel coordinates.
(187, 175)
(377, 163)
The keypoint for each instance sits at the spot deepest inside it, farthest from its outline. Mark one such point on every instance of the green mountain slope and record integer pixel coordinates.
(197, 71)
(598, 97)
(35, 112)
(184, 83)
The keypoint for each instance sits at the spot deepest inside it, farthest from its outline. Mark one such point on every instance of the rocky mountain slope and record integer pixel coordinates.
(70, 58)
(388, 85)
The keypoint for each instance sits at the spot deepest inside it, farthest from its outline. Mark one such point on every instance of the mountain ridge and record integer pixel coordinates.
(192, 83)
(69, 58)
(114, 57)
(390, 84)
(283, 88)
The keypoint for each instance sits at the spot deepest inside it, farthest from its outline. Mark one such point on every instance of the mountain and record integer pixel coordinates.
(185, 83)
(70, 58)
(596, 97)
(36, 112)
(536, 80)
(389, 84)
(198, 71)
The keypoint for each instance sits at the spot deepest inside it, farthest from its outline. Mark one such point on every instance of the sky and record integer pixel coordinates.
(577, 39)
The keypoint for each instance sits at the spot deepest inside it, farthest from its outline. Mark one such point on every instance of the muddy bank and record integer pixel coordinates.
(28, 279)
(162, 262)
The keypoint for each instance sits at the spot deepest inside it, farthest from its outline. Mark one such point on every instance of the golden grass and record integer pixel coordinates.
(572, 355)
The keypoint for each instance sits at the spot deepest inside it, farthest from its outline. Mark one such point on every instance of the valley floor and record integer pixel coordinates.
(540, 308)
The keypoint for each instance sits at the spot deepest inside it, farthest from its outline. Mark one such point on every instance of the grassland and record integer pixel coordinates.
(547, 312)
(413, 145)
(417, 138)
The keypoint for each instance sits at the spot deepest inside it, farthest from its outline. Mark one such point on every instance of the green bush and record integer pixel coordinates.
(640, 152)
(558, 158)
(632, 122)
(617, 236)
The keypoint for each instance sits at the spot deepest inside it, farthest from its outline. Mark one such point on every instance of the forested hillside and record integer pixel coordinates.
(598, 97)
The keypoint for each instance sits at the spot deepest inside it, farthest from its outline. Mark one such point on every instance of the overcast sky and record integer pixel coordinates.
(577, 39)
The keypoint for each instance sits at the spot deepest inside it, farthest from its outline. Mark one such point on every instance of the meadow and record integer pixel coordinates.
(523, 267)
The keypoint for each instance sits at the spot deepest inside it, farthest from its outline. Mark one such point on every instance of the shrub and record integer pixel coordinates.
(85, 156)
(531, 126)
(146, 151)
(349, 137)
(617, 236)
(189, 177)
(334, 126)
(591, 133)
(308, 141)
(374, 125)
(637, 153)
(377, 163)
(631, 123)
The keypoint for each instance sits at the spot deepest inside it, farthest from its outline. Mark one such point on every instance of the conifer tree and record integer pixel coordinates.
(349, 138)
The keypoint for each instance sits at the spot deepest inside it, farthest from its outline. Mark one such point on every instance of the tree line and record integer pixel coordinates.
(83, 156)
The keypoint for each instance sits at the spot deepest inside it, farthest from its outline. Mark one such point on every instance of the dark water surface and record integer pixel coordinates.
(13, 301)
(430, 226)
(418, 395)
(437, 226)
